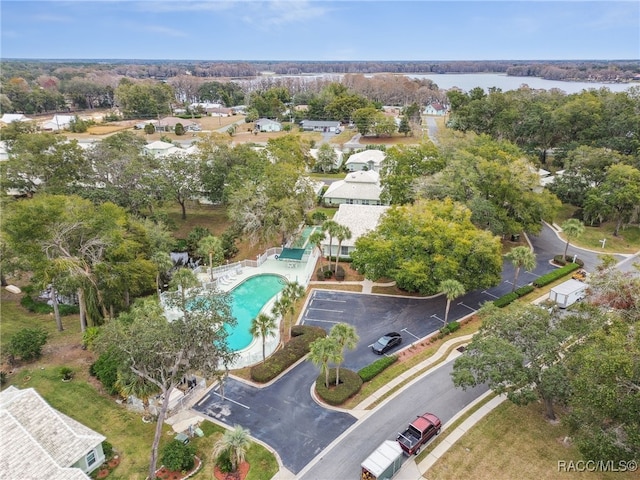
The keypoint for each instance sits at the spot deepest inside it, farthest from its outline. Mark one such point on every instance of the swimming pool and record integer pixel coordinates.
(247, 299)
(302, 240)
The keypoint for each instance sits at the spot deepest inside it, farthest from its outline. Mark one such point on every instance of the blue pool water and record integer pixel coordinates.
(247, 299)
(301, 240)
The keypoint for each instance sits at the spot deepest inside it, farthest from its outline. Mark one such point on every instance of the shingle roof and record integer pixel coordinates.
(360, 185)
(37, 441)
(366, 156)
(359, 218)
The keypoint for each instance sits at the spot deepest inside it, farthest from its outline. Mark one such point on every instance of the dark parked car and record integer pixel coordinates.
(386, 343)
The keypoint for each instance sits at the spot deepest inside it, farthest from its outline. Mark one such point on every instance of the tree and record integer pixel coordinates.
(163, 263)
(343, 233)
(178, 178)
(129, 384)
(364, 119)
(263, 326)
(327, 158)
(331, 228)
(321, 352)
(212, 247)
(423, 244)
(316, 239)
(518, 351)
(149, 129)
(404, 126)
(572, 228)
(177, 456)
(346, 337)
(27, 343)
(452, 290)
(235, 442)
(179, 129)
(521, 257)
(164, 352)
(183, 280)
(291, 293)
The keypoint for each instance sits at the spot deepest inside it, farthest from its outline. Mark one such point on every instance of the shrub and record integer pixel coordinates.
(450, 328)
(178, 456)
(105, 369)
(350, 384)
(107, 448)
(223, 461)
(559, 260)
(293, 350)
(44, 309)
(505, 300)
(555, 275)
(376, 368)
(89, 337)
(27, 343)
(3, 377)
(522, 291)
(179, 129)
(149, 129)
(66, 373)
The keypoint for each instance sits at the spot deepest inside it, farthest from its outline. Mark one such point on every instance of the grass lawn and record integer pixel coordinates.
(514, 442)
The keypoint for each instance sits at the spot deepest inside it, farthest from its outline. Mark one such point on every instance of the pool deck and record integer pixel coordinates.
(292, 271)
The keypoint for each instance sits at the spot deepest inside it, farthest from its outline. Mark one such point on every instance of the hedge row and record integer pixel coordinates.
(555, 275)
(373, 369)
(350, 384)
(450, 328)
(505, 300)
(293, 350)
(43, 308)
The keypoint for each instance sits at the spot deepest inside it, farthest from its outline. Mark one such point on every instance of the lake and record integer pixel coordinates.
(468, 81)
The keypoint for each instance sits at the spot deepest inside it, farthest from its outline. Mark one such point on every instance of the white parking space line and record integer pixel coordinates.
(436, 316)
(330, 300)
(325, 310)
(490, 294)
(321, 321)
(232, 401)
(467, 306)
(407, 331)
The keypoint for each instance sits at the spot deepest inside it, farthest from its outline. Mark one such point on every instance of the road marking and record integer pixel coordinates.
(472, 309)
(321, 321)
(490, 294)
(407, 331)
(331, 300)
(233, 401)
(325, 310)
(436, 316)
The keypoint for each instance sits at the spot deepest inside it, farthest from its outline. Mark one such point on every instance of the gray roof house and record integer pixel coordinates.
(37, 441)
(360, 219)
(359, 188)
(366, 160)
(320, 125)
(266, 125)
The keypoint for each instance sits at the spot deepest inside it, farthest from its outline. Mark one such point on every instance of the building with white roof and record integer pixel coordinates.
(358, 188)
(366, 160)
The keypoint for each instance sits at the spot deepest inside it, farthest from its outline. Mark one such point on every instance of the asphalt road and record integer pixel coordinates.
(434, 393)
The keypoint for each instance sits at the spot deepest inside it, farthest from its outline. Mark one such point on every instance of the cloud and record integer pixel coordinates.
(163, 6)
(277, 13)
(171, 32)
(51, 18)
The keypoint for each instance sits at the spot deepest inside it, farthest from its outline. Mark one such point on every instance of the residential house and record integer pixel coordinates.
(339, 156)
(58, 123)
(168, 124)
(160, 149)
(366, 160)
(320, 126)
(360, 219)
(436, 109)
(266, 125)
(357, 188)
(141, 125)
(38, 441)
(8, 118)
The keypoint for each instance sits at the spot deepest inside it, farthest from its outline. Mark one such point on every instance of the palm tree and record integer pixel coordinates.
(182, 280)
(280, 309)
(452, 290)
(321, 352)
(343, 233)
(130, 384)
(330, 227)
(292, 292)
(572, 228)
(316, 239)
(210, 246)
(346, 337)
(263, 326)
(236, 442)
(162, 262)
(521, 257)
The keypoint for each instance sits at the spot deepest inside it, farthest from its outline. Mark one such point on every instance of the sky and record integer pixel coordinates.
(319, 30)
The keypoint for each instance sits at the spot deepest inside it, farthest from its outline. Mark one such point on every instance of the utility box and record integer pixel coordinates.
(568, 293)
(383, 463)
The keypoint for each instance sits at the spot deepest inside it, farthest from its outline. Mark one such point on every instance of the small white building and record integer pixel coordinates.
(266, 125)
(360, 219)
(38, 441)
(320, 126)
(8, 118)
(366, 160)
(358, 188)
(436, 109)
(161, 149)
(58, 123)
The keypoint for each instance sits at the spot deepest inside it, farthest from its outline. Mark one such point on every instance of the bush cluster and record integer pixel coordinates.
(27, 343)
(350, 384)
(44, 309)
(559, 260)
(376, 368)
(326, 272)
(105, 369)
(505, 300)
(450, 328)
(178, 456)
(293, 350)
(555, 275)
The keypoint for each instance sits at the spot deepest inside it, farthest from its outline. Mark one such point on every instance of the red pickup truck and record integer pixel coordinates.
(419, 432)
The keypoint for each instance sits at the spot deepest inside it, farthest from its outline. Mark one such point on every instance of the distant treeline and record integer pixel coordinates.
(583, 70)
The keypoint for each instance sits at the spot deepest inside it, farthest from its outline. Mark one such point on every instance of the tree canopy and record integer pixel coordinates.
(423, 244)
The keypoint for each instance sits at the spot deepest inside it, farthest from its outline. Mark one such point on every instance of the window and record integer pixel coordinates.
(350, 201)
(91, 458)
(344, 250)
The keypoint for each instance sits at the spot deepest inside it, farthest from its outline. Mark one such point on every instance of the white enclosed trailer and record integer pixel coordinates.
(568, 293)
(383, 463)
